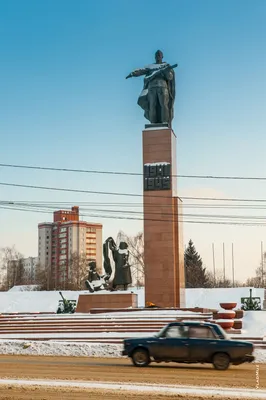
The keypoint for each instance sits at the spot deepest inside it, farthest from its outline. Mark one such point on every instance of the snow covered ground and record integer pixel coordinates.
(210, 298)
(254, 323)
(35, 301)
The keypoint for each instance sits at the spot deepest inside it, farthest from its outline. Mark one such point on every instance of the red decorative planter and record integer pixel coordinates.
(227, 314)
(228, 306)
(225, 324)
(226, 317)
(237, 325)
(239, 314)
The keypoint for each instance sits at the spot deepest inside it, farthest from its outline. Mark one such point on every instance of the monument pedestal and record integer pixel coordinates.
(110, 300)
(163, 242)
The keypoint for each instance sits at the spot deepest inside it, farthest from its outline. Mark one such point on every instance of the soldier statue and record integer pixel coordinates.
(158, 94)
(95, 281)
(122, 273)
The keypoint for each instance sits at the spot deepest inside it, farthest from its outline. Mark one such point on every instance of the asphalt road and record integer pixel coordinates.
(117, 370)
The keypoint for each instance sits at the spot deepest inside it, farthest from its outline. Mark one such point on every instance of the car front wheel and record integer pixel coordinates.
(141, 358)
(221, 361)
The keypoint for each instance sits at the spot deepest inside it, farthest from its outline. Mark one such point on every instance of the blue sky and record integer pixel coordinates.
(65, 102)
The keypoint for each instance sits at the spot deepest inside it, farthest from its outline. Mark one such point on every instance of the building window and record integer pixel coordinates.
(91, 240)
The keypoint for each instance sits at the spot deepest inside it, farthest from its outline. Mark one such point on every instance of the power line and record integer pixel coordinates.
(56, 204)
(36, 167)
(126, 211)
(147, 219)
(69, 170)
(127, 194)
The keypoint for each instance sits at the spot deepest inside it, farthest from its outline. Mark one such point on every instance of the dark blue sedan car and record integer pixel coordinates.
(189, 342)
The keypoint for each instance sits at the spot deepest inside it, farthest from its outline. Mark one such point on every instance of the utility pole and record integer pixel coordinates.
(262, 262)
(233, 265)
(213, 260)
(224, 261)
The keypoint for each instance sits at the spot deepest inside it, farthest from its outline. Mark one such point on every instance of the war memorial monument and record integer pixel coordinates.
(163, 242)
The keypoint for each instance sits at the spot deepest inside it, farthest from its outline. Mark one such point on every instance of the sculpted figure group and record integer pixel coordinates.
(122, 273)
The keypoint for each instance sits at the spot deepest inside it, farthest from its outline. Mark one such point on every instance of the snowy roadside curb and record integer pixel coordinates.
(77, 349)
(50, 348)
(149, 389)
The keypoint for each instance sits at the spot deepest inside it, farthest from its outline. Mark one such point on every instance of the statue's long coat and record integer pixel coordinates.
(122, 268)
(143, 97)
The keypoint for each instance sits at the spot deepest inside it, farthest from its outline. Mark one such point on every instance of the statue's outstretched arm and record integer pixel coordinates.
(137, 72)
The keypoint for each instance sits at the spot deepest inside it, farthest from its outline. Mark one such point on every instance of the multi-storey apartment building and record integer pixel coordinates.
(22, 271)
(66, 235)
(30, 264)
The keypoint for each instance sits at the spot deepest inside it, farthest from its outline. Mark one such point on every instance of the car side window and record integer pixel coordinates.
(176, 331)
(201, 332)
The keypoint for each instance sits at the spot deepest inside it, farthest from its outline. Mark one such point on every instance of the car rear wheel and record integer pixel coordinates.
(221, 361)
(141, 358)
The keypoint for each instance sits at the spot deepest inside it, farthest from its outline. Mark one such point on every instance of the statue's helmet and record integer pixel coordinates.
(159, 55)
(92, 265)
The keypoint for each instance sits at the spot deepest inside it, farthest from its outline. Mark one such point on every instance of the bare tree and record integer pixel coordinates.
(136, 255)
(43, 277)
(12, 267)
(259, 280)
(218, 281)
(78, 272)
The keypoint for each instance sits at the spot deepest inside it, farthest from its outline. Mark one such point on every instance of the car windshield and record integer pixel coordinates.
(223, 333)
(160, 333)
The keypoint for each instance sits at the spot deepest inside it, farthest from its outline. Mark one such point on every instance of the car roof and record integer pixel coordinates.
(192, 323)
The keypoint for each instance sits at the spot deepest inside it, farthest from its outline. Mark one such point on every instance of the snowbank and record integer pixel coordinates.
(78, 349)
(36, 301)
(211, 298)
(254, 323)
(24, 288)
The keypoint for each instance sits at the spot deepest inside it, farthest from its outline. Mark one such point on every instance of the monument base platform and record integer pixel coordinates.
(112, 300)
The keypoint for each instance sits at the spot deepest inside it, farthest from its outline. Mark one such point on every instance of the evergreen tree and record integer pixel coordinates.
(195, 274)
